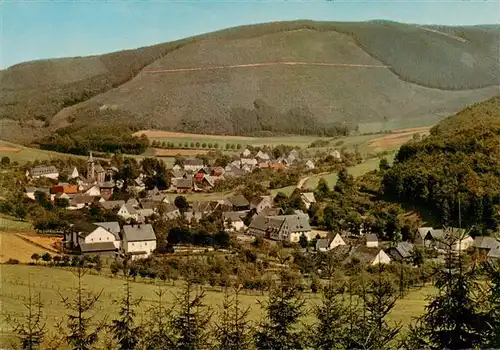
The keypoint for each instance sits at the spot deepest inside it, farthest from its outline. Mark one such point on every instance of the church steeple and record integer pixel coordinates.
(90, 167)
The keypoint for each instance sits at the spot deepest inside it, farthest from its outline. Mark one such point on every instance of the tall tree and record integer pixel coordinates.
(283, 308)
(453, 319)
(80, 332)
(190, 322)
(330, 328)
(124, 330)
(232, 329)
(30, 329)
(157, 331)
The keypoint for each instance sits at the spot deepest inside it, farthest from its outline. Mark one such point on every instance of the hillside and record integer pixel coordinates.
(297, 77)
(460, 159)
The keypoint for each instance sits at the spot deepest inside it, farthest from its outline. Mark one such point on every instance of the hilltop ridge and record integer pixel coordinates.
(298, 77)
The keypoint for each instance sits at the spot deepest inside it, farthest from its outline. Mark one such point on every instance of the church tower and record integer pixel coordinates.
(90, 168)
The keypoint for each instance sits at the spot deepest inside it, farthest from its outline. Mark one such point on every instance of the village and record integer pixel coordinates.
(247, 219)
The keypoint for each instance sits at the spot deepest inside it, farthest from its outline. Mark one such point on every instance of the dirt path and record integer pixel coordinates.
(305, 179)
(265, 64)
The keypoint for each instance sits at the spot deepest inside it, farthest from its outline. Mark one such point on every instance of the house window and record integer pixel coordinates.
(92, 240)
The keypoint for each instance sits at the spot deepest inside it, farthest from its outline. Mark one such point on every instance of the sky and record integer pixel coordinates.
(37, 29)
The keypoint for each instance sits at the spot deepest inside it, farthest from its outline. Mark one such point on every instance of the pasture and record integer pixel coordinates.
(52, 283)
(357, 170)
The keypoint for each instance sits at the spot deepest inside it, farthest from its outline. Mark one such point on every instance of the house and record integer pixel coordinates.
(427, 236)
(111, 226)
(183, 185)
(332, 241)
(128, 212)
(217, 171)
(133, 202)
(66, 188)
(371, 256)
(107, 190)
(238, 203)
(485, 243)
(308, 199)
(159, 198)
(494, 252)
(138, 240)
(72, 173)
(30, 191)
(170, 211)
(93, 239)
(260, 203)
(176, 167)
(80, 201)
(177, 174)
(145, 213)
(110, 205)
(93, 191)
(246, 153)
(139, 184)
(401, 251)
(283, 228)
(233, 221)
(193, 164)
(456, 239)
(47, 171)
(263, 157)
(336, 154)
(371, 240)
(310, 165)
(381, 258)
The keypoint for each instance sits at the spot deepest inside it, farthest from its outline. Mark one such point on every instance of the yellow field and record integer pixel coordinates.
(14, 247)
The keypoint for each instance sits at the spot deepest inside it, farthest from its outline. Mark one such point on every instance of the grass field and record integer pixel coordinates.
(357, 170)
(49, 282)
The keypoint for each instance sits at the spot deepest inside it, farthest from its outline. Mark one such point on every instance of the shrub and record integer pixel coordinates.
(12, 262)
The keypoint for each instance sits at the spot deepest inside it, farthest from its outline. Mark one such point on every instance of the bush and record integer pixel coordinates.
(12, 262)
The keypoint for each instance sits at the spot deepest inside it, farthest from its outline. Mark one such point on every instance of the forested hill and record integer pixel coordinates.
(460, 159)
(299, 77)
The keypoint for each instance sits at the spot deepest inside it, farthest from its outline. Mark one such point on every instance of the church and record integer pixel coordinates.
(95, 172)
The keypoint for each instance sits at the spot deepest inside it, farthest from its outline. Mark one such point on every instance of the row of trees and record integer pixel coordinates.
(193, 145)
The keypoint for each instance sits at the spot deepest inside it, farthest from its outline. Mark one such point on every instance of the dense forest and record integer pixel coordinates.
(106, 139)
(458, 164)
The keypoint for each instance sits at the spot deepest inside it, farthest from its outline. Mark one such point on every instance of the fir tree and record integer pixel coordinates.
(232, 330)
(283, 310)
(371, 330)
(329, 330)
(124, 330)
(80, 333)
(190, 322)
(452, 319)
(492, 339)
(157, 330)
(30, 329)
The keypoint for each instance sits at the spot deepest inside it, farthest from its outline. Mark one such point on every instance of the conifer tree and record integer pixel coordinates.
(190, 322)
(157, 331)
(30, 329)
(124, 330)
(232, 329)
(453, 318)
(283, 310)
(80, 332)
(330, 328)
(371, 330)
(492, 339)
